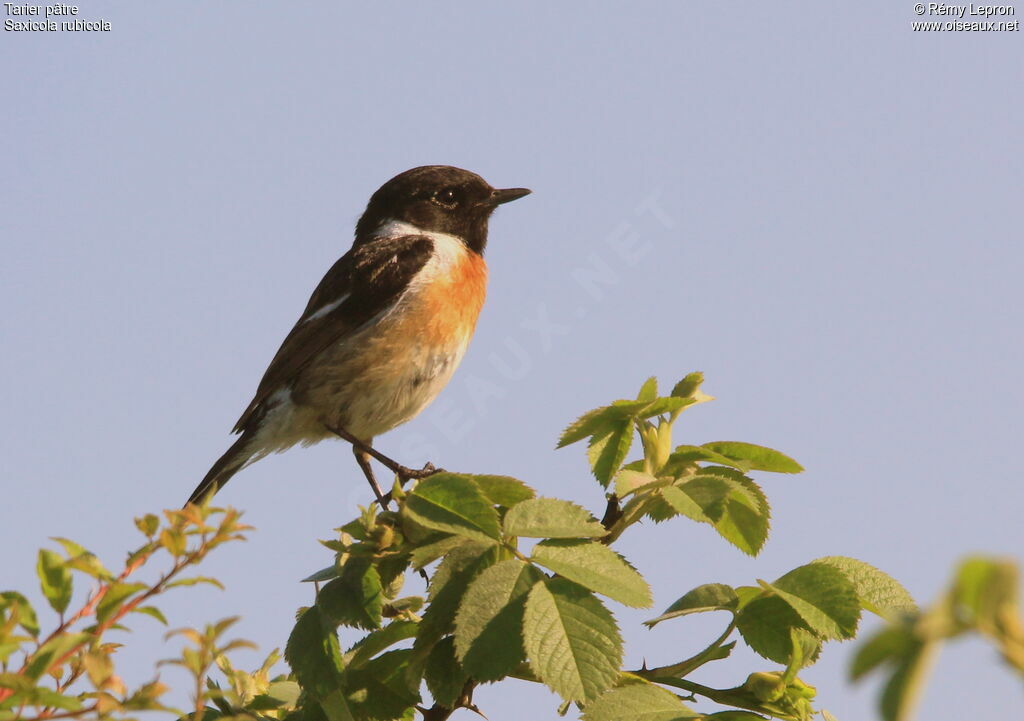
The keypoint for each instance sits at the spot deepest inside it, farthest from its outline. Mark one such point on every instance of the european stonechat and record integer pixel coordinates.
(385, 328)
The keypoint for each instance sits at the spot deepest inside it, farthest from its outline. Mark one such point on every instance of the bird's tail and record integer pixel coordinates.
(234, 460)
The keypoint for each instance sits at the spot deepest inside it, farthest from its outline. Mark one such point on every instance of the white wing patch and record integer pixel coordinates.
(325, 309)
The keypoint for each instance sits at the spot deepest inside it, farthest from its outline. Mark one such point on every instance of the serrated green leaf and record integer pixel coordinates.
(551, 518)
(354, 598)
(660, 406)
(314, 655)
(878, 592)
(453, 503)
(594, 566)
(698, 454)
(765, 625)
(729, 501)
(599, 421)
(439, 618)
(688, 385)
(823, 597)
(20, 605)
(455, 561)
(444, 674)
(682, 503)
(55, 579)
(380, 689)
(709, 597)
(627, 481)
(427, 553)
(571, 640)
(489, 624)
(116, 596)
(375, 642)
(503, 490)
(52, 651)
(638, 702)
(649, 390)
(608, 452)
(759, 458)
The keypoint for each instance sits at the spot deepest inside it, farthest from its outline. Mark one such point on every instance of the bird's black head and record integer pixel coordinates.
(439, 199)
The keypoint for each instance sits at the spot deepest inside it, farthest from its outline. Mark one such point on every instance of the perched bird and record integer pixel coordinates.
(383, 331)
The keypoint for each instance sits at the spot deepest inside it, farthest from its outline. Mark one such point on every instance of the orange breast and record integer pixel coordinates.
(451, 302)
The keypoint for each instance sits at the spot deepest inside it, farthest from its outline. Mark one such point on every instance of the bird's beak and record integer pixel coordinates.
(507, 195)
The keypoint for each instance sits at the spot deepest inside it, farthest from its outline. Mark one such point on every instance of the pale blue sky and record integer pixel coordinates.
(811, 203)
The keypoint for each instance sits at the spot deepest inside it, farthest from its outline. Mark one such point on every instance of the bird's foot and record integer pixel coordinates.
(410, 474)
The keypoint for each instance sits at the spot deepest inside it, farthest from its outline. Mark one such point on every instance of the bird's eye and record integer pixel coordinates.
(447, 198)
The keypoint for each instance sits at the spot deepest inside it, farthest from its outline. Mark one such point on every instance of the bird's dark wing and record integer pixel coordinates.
(364, 282)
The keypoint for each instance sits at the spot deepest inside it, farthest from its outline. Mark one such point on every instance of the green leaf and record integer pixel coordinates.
(890, 645)
(902, 690)
(649, 390)
(51, 652)
(698, 454)
(627, 481)
(607, 452)
(20, 605)
(427, 553)
(503, 490)
(380, 689)
(663, 405)
(638, 702)
(314, 655)
(594, 566)
(759, 458)
(551, 518)
(455, 561)
(598, 421)
(373, 643)
(727, 500)
(148, 524)
(709, 597)
(985, 591)
(116, 596)
(453, 503)
(324, 574)
(571, 640)
(823, 597)
(82, 560)
(689, 385)
(195, 580)
(439, 618)
(878, 592)
(444, 675)
(489, 624)
(765, 624)
(355, 598)
(601, 421)
(152, 611)
(55, 579)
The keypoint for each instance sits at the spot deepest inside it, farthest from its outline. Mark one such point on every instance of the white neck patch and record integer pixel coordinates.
(448, 249)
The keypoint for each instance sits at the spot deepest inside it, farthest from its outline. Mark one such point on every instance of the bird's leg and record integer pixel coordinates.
(363, 459)
(404, 473)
